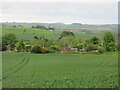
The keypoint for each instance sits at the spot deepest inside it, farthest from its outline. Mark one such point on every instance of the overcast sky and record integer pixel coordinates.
(65, 12)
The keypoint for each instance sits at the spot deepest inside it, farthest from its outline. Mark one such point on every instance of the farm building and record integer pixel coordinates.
(67, 49)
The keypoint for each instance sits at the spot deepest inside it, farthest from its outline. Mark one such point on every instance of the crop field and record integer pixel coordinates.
(29, 33)
(65, 70)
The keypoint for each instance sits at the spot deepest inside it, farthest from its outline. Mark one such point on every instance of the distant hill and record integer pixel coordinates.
(71, 27)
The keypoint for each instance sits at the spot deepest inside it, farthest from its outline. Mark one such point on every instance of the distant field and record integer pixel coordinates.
(29, 33)
(70, 70)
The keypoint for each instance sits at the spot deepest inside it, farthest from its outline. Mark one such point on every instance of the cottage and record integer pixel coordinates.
(82, 50)
(74, 50)
(67, 49)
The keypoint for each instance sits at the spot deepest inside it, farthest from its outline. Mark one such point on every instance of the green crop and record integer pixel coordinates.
(73, 70)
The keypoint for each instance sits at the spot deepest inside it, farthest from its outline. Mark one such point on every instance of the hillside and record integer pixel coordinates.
(29, 33)
(83, 31)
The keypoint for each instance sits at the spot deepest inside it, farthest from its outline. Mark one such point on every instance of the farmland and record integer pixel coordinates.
(41, 58)
(81, 31)
(65, 70)
(50, 45)
(30, 33)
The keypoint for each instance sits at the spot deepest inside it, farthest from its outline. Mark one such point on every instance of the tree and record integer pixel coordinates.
(36, 49)
(66, 33)
(3, 47)
(20, 46)
(51, 28)
(87, 41)
(34, 26)
(9, 39)
(42, 41)
(39, 40)
(36, 37)
(118, 42)
(50, 42)
(109, 41)
(80, 46)
(67, 41)
(94, 40)
(44, 27)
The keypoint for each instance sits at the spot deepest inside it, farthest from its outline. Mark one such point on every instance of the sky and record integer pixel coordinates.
(94, 12)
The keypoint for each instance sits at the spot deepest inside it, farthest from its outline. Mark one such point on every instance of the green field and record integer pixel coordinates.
(70, 70)
(30, 33)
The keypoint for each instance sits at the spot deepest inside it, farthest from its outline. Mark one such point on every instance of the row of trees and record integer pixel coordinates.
(67, 39)
(43, 27)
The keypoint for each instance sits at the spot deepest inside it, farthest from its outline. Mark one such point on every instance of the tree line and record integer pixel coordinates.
(43, 27)
(66, 39)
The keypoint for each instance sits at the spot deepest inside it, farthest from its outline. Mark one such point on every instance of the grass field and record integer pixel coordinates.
(71, 70)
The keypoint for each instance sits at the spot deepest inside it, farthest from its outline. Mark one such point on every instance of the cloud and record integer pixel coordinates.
(60, 12)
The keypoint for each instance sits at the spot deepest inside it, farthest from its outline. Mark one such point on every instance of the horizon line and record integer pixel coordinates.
(56, 22)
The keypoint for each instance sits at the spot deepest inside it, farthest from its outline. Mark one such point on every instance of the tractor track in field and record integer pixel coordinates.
(15, 66)
(26, 60)
(33, 75)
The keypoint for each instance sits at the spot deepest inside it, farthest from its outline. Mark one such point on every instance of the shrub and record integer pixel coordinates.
(36, 49)
(54, 47)
(90, 47)
(101, 49)
(44, 50)
(51, 51)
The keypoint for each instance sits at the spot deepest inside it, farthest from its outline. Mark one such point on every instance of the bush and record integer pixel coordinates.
(90, 47)
(54, 47)
(101, 49)
(52, 51)
(36, 49)
(44, 50)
